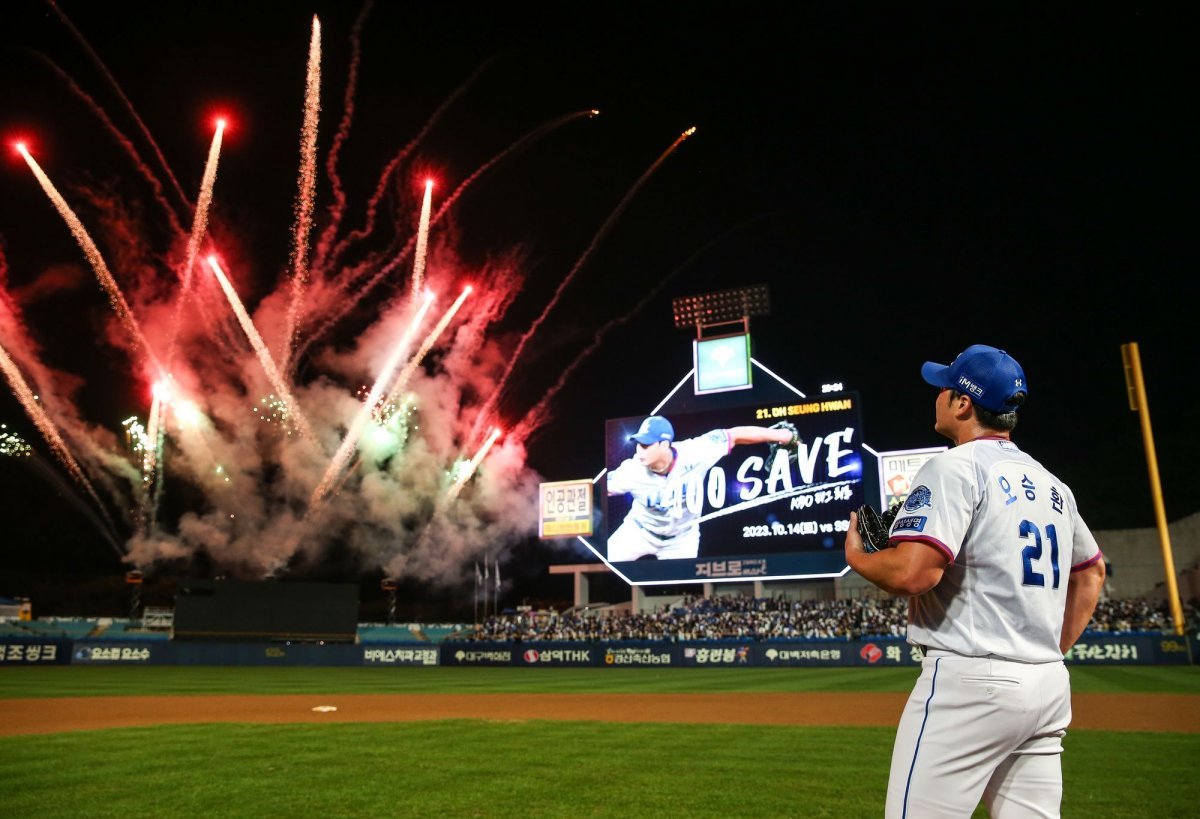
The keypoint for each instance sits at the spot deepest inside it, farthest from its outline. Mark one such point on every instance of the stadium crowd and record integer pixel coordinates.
(766, 619)
(1138, 614)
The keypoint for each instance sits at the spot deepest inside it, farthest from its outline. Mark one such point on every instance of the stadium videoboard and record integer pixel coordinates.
(727, 512)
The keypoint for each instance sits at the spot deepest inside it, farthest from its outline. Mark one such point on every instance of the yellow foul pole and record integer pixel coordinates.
(1137, 403)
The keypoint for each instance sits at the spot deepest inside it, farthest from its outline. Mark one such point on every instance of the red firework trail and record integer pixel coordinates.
(338, 206)
(426, 345)
(326, 258)
(115, 298)
(494, 399)
(199, 228)
(203, 203)
(116, 88)
(418, 277)
(361, 288)
(123, 141)
(306, 193)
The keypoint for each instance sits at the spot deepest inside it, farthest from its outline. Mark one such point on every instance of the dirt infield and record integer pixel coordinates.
(1124, 712)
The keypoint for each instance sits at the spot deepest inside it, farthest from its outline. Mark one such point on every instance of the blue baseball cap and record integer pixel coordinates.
(989, 375)
(654, 429)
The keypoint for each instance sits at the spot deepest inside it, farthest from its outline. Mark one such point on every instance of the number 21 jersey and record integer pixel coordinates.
(1013, 535)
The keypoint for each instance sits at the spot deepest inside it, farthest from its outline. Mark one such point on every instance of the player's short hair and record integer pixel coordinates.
(999, 421)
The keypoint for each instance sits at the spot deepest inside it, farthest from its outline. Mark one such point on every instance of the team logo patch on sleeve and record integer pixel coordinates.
(921, 496)
(913, 523)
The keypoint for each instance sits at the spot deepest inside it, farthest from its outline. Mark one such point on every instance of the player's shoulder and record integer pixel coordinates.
(987, 452)
(984, 453)
(946, 474)
(970, 462)
(955, 459)
(628, 469)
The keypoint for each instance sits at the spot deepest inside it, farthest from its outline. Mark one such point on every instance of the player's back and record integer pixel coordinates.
(1016, 532)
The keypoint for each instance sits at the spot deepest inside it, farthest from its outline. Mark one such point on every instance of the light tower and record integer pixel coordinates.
(721, 351)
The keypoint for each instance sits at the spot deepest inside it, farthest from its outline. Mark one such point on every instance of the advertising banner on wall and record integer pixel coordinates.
(880, 653)
(162, 652)
(626, 655)
(400, 655)
(1091, 649)
(35, 652)
(894, 652)
(477, 654)
(1129, 649)
(562, 655)
(125, 653)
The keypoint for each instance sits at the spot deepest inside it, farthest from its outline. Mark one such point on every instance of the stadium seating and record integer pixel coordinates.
(717, 618)
(416, 633)
(126, 630)
(50, 628)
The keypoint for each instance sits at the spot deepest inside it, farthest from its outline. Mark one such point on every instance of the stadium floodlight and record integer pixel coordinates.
(723, 307)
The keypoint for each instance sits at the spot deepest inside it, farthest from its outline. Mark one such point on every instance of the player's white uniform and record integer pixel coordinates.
(664, 518)
(987, 715)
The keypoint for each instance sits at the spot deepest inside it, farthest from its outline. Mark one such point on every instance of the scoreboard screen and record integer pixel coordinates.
(727, 510)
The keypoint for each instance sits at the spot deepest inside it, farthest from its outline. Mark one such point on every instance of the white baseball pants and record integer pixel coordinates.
(981, 729)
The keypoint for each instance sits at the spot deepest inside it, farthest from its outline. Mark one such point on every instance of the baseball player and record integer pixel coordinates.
(1002, 576)
(661, 476)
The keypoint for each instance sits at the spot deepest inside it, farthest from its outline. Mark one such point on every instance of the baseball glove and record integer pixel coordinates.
(792, 447)
(874, 528)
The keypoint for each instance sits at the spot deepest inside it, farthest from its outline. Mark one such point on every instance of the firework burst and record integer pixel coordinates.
(394, 472)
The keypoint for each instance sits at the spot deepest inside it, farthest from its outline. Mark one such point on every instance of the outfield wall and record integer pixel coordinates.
(1095, 649)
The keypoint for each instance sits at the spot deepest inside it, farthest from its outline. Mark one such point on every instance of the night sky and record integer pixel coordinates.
(907, 181)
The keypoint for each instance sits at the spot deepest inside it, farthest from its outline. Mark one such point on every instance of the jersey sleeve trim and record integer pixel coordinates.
(896, 540)
(1090, 561)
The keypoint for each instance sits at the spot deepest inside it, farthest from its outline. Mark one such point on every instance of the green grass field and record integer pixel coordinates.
(530, 768)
